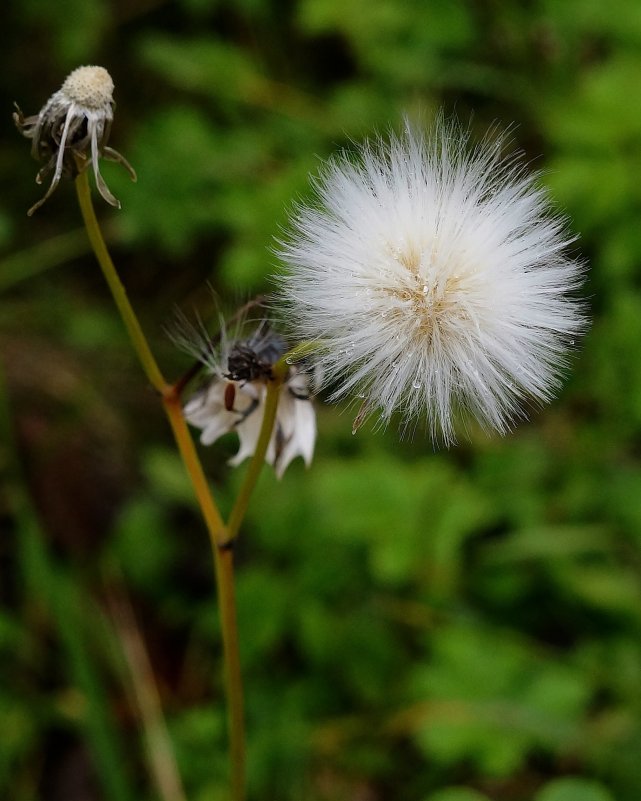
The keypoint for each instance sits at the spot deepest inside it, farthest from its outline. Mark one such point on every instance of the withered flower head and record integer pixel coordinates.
(72, 129)
(233, 399)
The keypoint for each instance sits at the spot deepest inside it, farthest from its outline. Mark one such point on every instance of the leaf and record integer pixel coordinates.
(491, 699)
(457, 794)
(573, 789)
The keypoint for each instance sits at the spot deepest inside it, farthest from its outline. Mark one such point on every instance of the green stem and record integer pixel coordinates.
(279, 372)
(224, 569)
(223, 556)
(138, 339)
(304, 349)
(233, 675)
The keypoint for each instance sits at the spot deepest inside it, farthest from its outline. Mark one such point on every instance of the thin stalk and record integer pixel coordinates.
(138, 339)
(233, 675)
(279, 372)
(224, 569)
(223, 556)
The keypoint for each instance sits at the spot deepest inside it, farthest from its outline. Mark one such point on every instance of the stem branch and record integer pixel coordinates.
(279, 372)
(224, 569)
(223, 555)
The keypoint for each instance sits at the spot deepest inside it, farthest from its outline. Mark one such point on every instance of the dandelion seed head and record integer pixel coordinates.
(91, 87)
(437, 278)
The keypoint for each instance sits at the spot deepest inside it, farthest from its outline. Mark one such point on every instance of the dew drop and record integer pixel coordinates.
(417, 385)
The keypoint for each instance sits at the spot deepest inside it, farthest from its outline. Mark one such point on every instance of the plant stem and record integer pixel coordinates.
(223, 555)
(279, 372)
(233, 675)
(224, 569)
(138, 339)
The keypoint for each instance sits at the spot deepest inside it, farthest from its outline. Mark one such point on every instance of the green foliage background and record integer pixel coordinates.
(416, 626)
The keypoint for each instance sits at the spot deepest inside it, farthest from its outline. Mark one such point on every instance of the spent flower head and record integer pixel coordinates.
(435, 277)
(72, 130)
(233, 398)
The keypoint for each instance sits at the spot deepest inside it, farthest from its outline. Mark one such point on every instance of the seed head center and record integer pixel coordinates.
(91, 87)
(422, 298)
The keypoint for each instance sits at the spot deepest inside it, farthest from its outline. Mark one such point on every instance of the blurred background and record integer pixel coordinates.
(415, 625)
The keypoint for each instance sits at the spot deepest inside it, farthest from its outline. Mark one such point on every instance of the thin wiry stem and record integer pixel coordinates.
(138, 339)
(279, 372)
(223, 556)
(224, 569)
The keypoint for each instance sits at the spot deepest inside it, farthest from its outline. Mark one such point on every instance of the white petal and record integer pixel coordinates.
(248, 432)
(294, 430)
(216, 426)
(302, 438)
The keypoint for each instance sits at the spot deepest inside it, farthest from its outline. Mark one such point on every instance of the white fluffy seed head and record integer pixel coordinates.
(436, 279)
(91, 87)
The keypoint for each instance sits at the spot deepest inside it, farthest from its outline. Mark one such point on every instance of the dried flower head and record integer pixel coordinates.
(233, 398)
(436, 278)
(72, 130)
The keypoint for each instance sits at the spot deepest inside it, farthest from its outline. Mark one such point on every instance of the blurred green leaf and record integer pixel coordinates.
(144, 544)
(457, 794)
(491, 699)
(167, 477)
(573, 789)
(75, 27)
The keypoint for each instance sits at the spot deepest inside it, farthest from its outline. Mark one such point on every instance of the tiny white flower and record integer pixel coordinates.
(74, 122)
(234, 398)
(435, 278)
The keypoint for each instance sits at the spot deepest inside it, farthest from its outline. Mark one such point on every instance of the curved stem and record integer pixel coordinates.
(279, 372)
(138, 339)
(224, 569)
(223, 555)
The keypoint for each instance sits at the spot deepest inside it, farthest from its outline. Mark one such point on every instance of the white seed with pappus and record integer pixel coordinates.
(435, 278)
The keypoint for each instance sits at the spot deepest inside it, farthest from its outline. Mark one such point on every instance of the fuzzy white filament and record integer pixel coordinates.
(436, 278)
